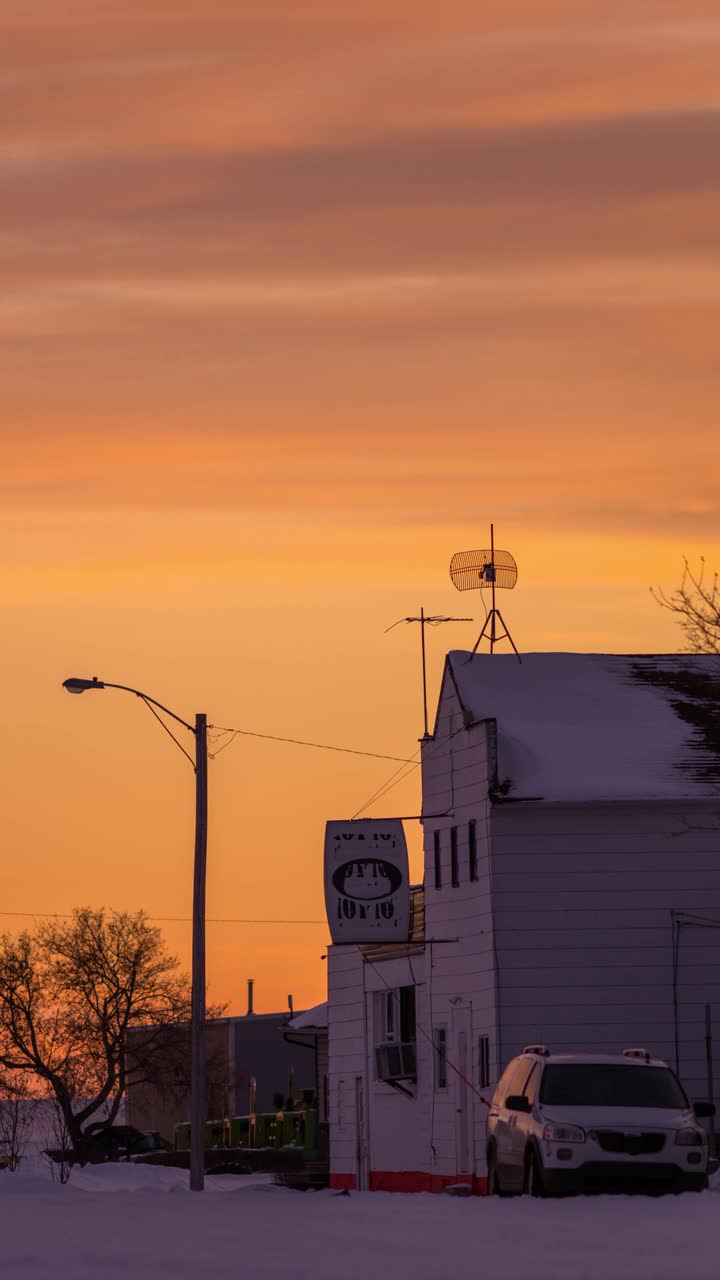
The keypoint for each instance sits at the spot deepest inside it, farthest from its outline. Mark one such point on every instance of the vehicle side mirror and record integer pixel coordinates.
(704, 1110)
(517, 1102)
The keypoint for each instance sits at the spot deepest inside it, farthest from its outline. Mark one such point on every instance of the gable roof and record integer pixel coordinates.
(593, 726)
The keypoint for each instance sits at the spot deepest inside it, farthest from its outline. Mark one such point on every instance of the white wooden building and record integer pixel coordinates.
(571, 897)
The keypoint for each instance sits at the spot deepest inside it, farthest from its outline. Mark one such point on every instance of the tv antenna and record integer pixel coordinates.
(435, 621)
(483, 569)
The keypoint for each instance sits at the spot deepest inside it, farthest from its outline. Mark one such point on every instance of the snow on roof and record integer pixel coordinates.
(315, 1017)
(592, 726)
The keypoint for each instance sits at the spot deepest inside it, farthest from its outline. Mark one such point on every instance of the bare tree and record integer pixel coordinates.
(56, 1141)
(696, 605)
(16, 1122)
(70, 992)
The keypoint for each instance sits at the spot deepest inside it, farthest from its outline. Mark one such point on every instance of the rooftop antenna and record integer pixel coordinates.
(424, 621)
(483, 569)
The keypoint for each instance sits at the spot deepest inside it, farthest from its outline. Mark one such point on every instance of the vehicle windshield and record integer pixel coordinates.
(611, 1085)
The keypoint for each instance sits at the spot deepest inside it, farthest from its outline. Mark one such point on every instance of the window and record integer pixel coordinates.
(395, 1034)
(517, 1077)
(472, 850)
(389, 1020)
(438, 865)
(484, 1061)
(611, 1085)
(454, 874)
(340, 1103)
(441, 1058)
(502, 1084)
(532, 1083)
(407, 1013)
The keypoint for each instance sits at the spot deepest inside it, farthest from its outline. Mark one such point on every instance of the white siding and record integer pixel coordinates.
(346, 1054)
(323, 1077)
(399, 1125)
(396, 1132)
(584, 898)
(457, 769)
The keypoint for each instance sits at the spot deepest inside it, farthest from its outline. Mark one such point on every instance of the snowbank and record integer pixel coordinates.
(117, 1221)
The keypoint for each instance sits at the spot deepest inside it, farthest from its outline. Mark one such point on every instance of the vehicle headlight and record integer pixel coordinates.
(563, 1133)
(690, 1137)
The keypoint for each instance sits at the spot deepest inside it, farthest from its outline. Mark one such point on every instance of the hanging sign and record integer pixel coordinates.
(367, 890)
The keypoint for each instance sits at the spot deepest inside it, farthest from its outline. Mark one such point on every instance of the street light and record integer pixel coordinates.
(75, 685)
(198, 1048)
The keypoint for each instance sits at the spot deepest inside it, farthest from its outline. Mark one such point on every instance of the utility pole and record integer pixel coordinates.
(198, 1076)
(198, 1099)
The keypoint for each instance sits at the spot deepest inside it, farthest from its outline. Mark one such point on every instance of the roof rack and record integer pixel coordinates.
(637, 1053)
(540, 1049)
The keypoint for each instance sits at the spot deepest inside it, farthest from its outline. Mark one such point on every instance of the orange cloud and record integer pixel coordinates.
(295, 301)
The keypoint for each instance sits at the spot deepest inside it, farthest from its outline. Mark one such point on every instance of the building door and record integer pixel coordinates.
(697, 974)
(464, 1110)
(360, 1142)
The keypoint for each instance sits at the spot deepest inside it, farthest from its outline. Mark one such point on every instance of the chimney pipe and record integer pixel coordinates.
(250, 1010)
(290, 1006)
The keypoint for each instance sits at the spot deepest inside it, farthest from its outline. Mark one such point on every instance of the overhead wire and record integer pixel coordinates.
(215, 736)
(68, 915)
(300, 742)
(394, 781)
(218, 750)
(389, 785)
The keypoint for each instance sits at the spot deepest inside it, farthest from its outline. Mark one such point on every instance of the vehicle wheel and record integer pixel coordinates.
(534, 1185)
(493, 1182)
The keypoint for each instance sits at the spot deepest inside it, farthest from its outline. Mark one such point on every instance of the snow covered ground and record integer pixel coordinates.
(137, 1222)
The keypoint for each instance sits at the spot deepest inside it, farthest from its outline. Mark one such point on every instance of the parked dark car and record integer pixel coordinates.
(115, 1142)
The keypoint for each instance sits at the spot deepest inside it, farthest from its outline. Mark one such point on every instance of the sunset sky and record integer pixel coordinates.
(297, 297)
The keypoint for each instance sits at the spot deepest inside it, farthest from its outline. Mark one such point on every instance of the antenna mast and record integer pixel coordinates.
(483, 569)
(425, 621)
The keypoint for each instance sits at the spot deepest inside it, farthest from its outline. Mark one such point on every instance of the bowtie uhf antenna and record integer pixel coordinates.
(485, 570)
(435, 621)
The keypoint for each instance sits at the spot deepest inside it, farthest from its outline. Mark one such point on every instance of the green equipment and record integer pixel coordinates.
(182, 1136)
(295, 1125)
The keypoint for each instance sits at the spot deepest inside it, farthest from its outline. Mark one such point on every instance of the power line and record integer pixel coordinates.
(393, 781)
(233, 733)
(231, 920)
(297, 741)
(68, 915)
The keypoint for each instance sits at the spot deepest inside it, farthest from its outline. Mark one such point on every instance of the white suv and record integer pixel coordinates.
(583, 1122)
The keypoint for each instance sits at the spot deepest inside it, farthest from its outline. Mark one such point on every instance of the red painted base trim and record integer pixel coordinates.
(409, 1181)
(343, 1181)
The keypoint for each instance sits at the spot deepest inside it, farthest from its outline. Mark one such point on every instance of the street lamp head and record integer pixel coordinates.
(76, 685)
